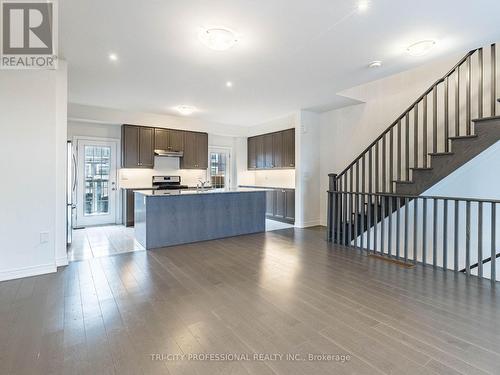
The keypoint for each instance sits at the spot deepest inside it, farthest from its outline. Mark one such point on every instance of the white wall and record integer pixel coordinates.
(307, 192)
(33, 167)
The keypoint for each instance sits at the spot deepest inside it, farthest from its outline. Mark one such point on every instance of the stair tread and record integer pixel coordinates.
(440, 153)
(403, 181)
(463, 137)
(422, 168)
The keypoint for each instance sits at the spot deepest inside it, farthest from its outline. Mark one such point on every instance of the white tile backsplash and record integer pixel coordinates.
(164, 166)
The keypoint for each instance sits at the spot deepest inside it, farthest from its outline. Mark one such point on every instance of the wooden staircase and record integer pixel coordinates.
(463, 148)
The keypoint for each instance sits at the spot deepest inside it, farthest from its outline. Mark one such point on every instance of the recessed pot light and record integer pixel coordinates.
(218, 38)
(363, 5)
(375, 64)
(185, 110)
(113, 57)
(421, 48)
(229, 84)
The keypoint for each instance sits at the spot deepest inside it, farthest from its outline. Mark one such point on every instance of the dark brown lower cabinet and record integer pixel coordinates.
(280, 205)
(270, 199)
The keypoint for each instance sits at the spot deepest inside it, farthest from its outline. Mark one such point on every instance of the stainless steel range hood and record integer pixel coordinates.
(169, 153)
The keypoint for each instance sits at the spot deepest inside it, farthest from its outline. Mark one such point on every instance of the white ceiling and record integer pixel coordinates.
(292, 54)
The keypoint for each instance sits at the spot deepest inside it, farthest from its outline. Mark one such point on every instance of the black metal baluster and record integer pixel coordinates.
(376, 169)
(399, 151)
(445, 234)
(389, 227)
(375, 222)
(382, 226)
(407, 146)
(480, 239)
(480, 100)
(468, 97)
(493, 243)
(457, 103)
(434, 231)
(424, 231)
(424, 130)
(493, 79)
(415, 137)
(398, 226)
(405, 248)
(356, 217)
(415, 230)
(467, 238)
(434, 119)
(370, 176)
(391, 159)
(362, 224)
(446, 117)
(384, 164)
(455, 235)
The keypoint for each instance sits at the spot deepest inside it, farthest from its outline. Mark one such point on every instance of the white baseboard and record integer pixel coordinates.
(27, 272)
(308, 223)
(63, 261)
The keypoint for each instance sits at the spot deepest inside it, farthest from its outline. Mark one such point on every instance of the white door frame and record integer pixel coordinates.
(113, 176)
(229, 169)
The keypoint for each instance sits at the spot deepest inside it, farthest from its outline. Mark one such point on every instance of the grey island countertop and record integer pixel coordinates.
(169, 193)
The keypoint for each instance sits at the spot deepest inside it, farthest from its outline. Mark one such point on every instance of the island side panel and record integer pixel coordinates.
(140, 219)
(174, 220)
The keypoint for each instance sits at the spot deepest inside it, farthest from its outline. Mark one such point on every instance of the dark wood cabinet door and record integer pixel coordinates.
(161, 139)
(259, 151)
(188, 161)
(290, 204)
(176, 140)
(278, 150)
(289, 148)
(202, 151)
(251, 154)
(280, 205)
(195, 151)
(268, 151)
(130, 146)
(146, 145)
(270, 199)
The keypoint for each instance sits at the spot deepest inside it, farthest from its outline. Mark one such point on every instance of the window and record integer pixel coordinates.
(96, 170)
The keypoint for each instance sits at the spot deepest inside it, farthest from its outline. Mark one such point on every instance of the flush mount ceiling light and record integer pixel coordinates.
(218, 38)
(185, 110)
(113, 57)
(421, 48)
(375, 64)
(363, 5)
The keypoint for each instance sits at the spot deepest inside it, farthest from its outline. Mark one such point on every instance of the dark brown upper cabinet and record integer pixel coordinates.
(289, 148)
(169, 139)
(195, 151)
(137, 146)
(252, 154)
(272, 151)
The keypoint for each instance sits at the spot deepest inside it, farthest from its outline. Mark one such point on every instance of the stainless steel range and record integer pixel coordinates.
(168, 183)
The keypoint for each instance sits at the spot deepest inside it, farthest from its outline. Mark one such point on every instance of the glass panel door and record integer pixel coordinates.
(96, 182)
(220, 168)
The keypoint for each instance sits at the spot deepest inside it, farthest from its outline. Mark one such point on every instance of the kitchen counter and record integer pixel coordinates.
(173, 217)
(266, 187)
(163, 193)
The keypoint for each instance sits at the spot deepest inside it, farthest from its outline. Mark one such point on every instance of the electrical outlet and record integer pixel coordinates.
(44, 237)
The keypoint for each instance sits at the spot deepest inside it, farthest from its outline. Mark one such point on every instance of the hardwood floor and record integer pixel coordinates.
(277, 292)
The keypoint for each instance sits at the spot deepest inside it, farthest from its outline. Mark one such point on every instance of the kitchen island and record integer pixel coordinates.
(167, 218)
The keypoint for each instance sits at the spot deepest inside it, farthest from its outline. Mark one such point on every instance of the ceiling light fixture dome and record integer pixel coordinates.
(185, 110)
(421, 48)
(375, 64)
(363, 5)
(218, 38)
